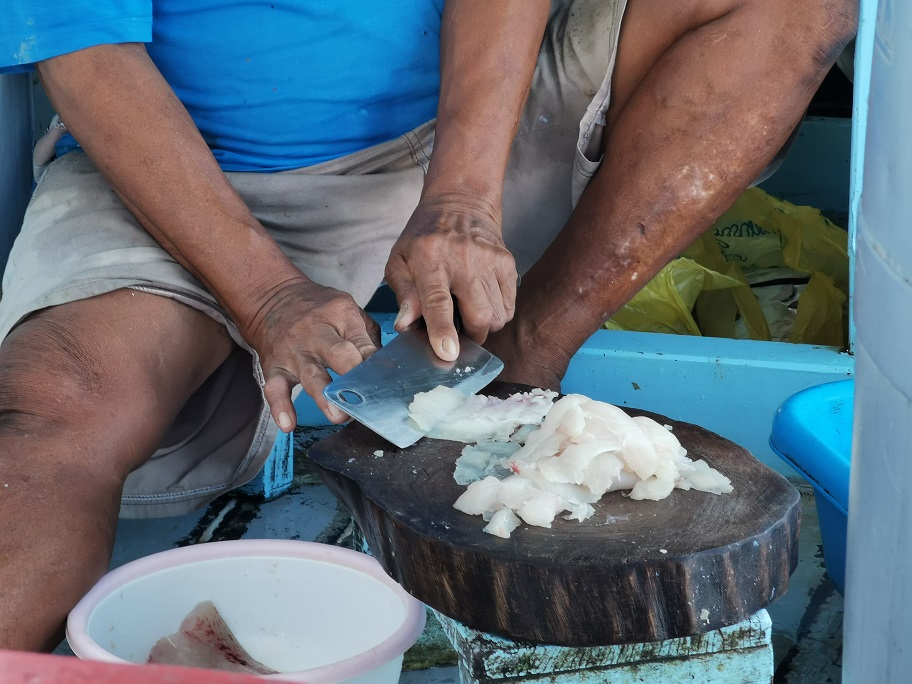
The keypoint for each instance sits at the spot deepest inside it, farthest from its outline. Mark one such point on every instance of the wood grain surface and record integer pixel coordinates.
(636, 571)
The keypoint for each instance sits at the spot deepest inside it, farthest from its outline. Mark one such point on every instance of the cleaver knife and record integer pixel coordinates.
(378, 391)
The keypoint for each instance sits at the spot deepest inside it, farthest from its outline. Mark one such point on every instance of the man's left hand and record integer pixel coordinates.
(451, 253)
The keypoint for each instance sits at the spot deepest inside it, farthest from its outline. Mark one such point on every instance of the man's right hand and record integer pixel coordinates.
(450, 251)
(303, 329)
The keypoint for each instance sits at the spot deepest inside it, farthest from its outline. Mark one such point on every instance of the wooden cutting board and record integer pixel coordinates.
(636, 571)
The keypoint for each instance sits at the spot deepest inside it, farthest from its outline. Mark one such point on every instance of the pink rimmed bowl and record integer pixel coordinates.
(316, 613)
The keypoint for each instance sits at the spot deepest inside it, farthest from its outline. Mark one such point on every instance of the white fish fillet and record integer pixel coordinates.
(541, 509)
(516, 490)
(581, 512)
(707, 479)
(480, 460)
(446, 413)
(582, 449)
(604, 471)
(502, 523)
(481, 497)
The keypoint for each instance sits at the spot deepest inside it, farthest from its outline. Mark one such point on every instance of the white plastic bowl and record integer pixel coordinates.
(316, 613)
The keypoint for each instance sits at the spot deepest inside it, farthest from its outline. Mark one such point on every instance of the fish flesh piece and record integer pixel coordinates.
(205, 640)
(581, 450)
(477, 461)
(446, 413)
(502, 523)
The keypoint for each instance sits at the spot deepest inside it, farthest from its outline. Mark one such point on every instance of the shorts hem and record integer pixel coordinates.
(171, 504)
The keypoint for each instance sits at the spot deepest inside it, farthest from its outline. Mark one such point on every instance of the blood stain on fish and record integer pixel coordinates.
(205, 640)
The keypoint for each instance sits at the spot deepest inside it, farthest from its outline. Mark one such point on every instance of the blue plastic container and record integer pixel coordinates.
(812, 431)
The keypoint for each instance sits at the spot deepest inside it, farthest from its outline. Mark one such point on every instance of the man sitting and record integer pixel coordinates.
(248, 173)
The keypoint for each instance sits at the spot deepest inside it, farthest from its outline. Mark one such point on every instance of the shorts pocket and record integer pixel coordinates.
(587, 161)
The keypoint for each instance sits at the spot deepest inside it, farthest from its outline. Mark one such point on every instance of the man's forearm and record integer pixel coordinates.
(488, 54)
(142, 139)
(684, 139)
(451, 253)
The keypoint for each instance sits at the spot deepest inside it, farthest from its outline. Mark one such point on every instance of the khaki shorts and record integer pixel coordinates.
(336, 221)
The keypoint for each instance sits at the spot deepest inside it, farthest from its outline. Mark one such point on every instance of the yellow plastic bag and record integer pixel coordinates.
(718, 311)
(707, 292)
(760, 231)
(666, 303)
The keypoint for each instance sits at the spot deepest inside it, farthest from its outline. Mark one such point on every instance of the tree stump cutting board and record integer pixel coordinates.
(635, 571)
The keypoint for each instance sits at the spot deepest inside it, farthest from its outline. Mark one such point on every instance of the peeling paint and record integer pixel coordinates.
(745, 649)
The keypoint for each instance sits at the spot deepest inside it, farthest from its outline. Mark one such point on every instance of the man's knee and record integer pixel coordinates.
(109, 374)
(818, 30)
(124, 349)
(81, 362)
(50, 376)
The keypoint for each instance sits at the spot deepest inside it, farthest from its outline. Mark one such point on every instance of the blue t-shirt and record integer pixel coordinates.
(272, 85)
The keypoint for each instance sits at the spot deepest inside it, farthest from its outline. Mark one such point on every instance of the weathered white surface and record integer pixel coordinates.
(738, 654)
(878, 593)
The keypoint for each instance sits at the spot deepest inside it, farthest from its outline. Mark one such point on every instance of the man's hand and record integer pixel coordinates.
(452, 249)
(304, 329)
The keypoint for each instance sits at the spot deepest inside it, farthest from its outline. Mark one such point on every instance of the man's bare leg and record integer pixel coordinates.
(704, 95)
(87, 391)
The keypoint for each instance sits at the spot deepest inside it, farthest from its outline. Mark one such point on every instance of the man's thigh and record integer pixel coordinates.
(337, 221)
(650, 28)
(85, 274)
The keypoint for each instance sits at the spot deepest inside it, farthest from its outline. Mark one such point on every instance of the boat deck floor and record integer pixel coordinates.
(807, 620)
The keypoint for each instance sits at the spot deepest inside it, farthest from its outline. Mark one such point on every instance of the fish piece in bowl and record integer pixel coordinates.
(205, 640)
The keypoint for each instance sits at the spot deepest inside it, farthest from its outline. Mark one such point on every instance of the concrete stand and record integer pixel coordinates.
(738, 654)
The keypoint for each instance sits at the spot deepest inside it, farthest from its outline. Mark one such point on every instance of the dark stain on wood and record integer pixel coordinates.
(601, 582)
